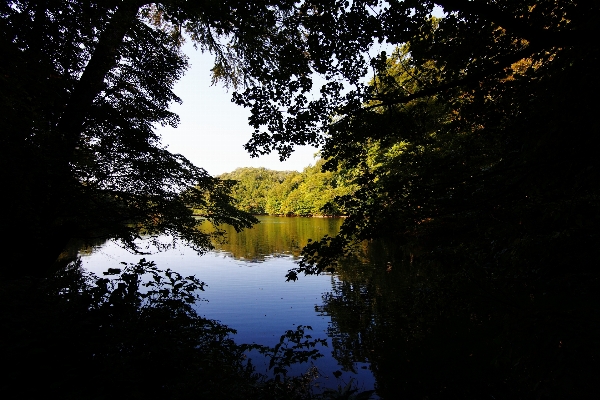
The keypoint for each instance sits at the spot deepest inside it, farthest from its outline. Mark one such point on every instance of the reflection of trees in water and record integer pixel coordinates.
(76, 247)
(275, 236)
(350, 307)
(433, 327)
(367, 317)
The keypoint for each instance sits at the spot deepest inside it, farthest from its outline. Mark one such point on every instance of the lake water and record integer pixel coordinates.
(246, 289)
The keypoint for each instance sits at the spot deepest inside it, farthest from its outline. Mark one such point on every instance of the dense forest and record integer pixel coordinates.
(308, 193)
(467, 147)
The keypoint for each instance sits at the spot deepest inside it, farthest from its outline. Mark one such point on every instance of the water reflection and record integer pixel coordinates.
(276, 236)
(246, 287)
(417, 324)
(408, 326)
(374, 312)
(426, 325)
(431, 325)
(370, 322)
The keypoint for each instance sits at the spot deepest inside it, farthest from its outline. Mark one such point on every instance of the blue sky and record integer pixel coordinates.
(213, 130)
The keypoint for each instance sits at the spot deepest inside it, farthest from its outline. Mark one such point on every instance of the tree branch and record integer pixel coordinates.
(91, 83)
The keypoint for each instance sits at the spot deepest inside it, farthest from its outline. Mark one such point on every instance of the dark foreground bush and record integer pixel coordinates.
(133, 333)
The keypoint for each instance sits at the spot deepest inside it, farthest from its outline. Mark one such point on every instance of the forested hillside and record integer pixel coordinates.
(307, 193)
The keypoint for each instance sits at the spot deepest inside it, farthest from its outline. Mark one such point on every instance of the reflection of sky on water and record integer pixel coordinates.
(250, 296)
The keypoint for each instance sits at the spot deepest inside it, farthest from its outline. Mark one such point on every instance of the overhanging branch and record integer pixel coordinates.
(91, 83)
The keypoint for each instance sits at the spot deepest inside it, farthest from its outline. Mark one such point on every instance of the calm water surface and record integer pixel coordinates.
(246, 287)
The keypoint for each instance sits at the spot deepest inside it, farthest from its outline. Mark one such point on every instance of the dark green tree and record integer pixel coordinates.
(278, 194)
(313, 193)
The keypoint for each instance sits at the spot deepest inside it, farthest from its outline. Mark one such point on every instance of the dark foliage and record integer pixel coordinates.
(131, 334)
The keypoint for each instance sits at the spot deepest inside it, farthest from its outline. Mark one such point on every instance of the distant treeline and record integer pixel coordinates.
(307, 193)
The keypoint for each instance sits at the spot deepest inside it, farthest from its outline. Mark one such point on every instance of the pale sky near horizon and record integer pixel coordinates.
(213, 130)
